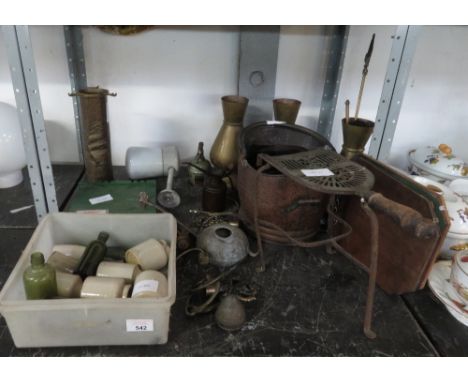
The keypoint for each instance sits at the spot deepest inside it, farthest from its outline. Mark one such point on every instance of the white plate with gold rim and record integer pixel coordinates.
(440, 285)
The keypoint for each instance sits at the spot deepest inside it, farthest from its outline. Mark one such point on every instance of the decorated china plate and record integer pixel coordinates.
(439, 283)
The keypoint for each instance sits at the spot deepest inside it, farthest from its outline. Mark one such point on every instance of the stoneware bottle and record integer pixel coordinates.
(39, 279)
(225, 149)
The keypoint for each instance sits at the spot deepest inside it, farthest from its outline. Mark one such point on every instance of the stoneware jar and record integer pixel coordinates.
(103, 287)
(66, 257)
(62, 262)
(152, 254)
(126, 290)
(73, 250)
(150, 284)
(128, 272)
(68, 285)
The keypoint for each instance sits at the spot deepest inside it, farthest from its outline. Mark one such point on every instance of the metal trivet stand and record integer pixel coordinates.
(346, 178)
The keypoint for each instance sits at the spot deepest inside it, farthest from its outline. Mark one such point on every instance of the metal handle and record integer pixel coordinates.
(408, 218)
(170, 178)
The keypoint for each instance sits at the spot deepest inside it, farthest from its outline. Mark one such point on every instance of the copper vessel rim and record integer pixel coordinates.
(299, 128)
(279, 175)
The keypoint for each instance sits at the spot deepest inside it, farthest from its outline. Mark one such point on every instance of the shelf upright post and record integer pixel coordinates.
(258, 58)
(393, 91)
(30, 116)
(338, 39)
(77, 73)
(32, 87)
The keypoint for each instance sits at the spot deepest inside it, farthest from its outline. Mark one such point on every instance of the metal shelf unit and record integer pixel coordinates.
(256, 80)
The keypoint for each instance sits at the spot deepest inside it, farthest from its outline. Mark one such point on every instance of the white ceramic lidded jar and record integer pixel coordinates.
(437, 163)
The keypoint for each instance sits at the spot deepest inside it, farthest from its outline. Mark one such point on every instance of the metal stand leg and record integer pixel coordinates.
(261, 265)
(374, 238)
(330, 224)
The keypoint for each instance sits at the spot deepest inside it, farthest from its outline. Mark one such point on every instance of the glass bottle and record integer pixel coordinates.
(196, 173)
(39, 279)
(92, 256)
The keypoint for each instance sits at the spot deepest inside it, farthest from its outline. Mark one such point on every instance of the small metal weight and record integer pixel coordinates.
(230, 314)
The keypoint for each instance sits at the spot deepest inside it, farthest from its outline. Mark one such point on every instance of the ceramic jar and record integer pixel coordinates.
(437, 163)
(150, 254)
(103, 287)
(150, 162)
(460, 187)
(457, 209)
(66, 257)
(128, 272)
(150, 284)
(68, 285)
(62, 262)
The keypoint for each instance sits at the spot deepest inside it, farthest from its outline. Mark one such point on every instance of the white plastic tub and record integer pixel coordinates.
(82, 322)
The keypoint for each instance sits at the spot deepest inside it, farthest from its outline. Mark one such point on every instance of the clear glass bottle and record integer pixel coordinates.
(39, 279)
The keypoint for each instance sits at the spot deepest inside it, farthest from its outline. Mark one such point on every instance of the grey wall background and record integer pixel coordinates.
(169, 83)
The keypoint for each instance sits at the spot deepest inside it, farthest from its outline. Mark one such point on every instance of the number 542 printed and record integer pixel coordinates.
(140, 325)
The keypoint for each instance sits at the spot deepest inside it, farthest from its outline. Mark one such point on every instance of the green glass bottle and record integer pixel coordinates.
(197, 173)
(92, 256)
(39, 279)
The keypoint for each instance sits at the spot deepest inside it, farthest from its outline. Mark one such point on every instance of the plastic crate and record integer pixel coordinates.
(83, 322)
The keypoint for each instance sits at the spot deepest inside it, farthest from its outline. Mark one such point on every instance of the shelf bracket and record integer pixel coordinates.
(338, 39)
(258, 58)
(393, 91)
(77, 73)
(28, 103)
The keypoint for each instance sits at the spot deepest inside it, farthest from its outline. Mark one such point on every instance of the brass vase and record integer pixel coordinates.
(286, 109)
(225, 149)
(356, 133)
(92, 103)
